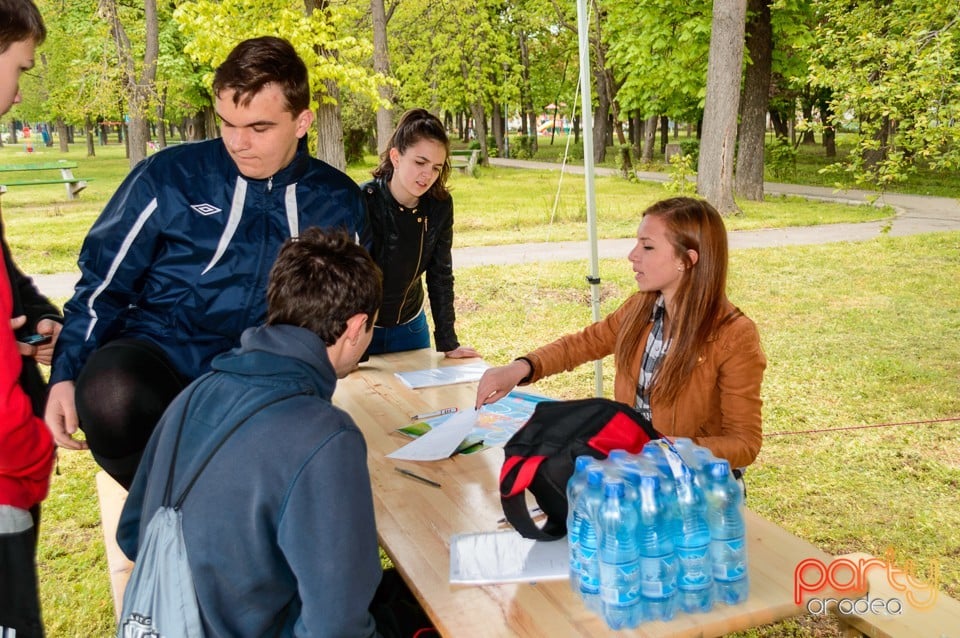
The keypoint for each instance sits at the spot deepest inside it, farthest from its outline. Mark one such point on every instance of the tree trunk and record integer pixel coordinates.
(826, 118)
(330, 128)
(601, 116)
(138, 88)
(329, 123)
(88, 130)
(626, 163)
(161, 120)
(871, 157)
(748, 180)
(480, 129)
(649, 138)
(779, 122)
(806, 105)
(664, 133)
(496, 126)
(62, 135)
(636, 133)
(715, 168)
(526, 96)
(381, 64)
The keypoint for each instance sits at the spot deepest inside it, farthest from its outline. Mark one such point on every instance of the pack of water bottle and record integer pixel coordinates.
(655, 534)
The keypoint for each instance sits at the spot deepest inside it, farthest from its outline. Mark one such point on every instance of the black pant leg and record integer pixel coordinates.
(19, 595)
(121, 394)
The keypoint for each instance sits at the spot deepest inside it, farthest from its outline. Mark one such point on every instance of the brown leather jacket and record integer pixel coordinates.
(720, 406)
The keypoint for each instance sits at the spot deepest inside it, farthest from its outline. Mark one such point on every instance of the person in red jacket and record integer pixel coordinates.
(26, 445)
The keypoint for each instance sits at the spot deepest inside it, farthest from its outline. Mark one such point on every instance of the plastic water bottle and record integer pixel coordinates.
(696, 458)
(728, 548)
(658, 562)
(588, 509)
(619, 557)
(576, 484)
(695, 573)
(652, 454)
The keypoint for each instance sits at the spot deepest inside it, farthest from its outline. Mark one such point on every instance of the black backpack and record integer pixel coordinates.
(540, 456)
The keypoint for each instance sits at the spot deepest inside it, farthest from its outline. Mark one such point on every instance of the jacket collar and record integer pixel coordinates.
(289, 174)
(288, 353)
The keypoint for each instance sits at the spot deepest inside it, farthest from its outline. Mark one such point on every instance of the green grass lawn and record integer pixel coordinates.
(857, 334)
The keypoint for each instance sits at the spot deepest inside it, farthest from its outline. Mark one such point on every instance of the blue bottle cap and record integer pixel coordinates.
(613, 487)
(719, 470)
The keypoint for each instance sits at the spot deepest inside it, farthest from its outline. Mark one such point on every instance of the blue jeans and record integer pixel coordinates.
(413, 335)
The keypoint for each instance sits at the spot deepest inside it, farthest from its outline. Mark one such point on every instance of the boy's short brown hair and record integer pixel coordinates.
(257, 62)
(320, 280)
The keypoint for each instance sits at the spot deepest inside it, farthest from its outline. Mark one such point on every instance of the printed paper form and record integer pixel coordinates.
(439, 442)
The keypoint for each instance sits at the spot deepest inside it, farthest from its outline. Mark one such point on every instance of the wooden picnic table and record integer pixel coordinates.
(415, 522)
(73, 184)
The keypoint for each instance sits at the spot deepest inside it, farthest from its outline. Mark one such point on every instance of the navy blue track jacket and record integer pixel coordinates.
(181, 253)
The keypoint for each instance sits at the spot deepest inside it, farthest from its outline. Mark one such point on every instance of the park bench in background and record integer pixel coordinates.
(73, 184)
(465, 161)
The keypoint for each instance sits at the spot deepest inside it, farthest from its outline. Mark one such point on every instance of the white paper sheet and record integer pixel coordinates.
(506, 557)
(444, 375)
(440, 442)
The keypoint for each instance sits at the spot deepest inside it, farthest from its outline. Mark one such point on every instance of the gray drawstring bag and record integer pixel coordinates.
(160, 600)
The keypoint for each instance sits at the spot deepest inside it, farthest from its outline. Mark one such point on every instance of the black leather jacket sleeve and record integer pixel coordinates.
(440, 281)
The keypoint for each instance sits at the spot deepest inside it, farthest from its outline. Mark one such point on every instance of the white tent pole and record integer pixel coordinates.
(586, 110)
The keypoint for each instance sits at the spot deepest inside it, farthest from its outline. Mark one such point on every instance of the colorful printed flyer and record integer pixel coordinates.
(493, 426)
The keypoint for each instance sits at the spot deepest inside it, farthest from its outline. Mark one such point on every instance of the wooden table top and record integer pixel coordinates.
(415, 522)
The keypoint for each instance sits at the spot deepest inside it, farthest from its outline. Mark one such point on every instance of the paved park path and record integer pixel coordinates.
(914, 214)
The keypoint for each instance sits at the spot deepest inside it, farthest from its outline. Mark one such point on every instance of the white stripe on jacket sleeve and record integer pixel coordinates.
(117, 260)
(236, 211)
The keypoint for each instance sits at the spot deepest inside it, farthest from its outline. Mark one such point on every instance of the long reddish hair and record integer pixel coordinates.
(700, 300)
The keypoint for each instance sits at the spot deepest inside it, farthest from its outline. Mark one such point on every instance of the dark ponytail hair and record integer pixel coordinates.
(416, 125)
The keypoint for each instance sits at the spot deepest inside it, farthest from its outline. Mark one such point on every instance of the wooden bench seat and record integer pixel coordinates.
(465, 161)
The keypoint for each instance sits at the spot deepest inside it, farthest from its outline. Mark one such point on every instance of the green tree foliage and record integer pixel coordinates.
(658, 50)
(893, 70)
(76, 74)
(212, 29)
(180, 81)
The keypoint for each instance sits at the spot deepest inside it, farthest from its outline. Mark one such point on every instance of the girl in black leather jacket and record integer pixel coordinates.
(411, 217)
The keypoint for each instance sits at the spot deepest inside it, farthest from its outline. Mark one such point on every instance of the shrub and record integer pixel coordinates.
(521, 147)
(691, 147)
(781, 158)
